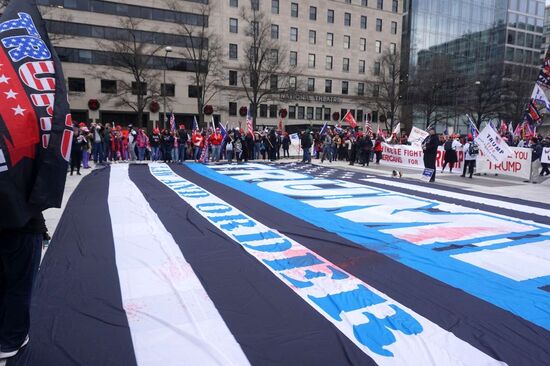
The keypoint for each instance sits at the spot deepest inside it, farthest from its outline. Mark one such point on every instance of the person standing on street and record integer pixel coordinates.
(545, 166)
(306, 143)
(430, 144)
(471, 150)
(536, 154)
(132, 141)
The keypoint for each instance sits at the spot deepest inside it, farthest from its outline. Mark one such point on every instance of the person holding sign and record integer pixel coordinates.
(430, 145)
(545, 158)
(471, 150)
(535, 159)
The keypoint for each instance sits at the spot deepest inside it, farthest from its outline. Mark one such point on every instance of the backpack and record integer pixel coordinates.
(473, 149)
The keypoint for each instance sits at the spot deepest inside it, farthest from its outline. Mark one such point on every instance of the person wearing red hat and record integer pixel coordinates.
(215, 141)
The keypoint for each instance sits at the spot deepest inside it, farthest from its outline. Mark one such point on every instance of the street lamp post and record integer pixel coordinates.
(167, 50)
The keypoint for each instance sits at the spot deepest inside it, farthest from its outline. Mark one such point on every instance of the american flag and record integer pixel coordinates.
(473, 129)
(368, 127)
(172, 122)
(249, 123)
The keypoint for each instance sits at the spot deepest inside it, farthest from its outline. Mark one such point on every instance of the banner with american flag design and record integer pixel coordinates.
(35, 122)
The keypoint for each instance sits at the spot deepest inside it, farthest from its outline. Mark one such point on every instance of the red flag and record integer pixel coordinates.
(281, 124)
(503, 126)
(350, 119)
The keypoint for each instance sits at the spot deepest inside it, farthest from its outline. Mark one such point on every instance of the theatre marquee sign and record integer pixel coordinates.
(304, 97)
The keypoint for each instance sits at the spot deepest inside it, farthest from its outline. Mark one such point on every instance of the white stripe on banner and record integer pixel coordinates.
(384, 329)
(465, 197)
(172, 320)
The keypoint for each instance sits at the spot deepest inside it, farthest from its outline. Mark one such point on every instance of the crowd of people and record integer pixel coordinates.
(113, 143)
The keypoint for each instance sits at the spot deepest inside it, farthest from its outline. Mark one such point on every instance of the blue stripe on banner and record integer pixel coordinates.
(381, 327)
(519, 298)
(489, 328)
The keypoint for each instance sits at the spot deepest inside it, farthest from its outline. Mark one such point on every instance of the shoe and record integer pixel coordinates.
(463, 176)
(13, 353)
(78, 173)
(470, 177)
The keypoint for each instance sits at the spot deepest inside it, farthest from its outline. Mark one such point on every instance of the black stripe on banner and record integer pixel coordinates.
(498, 333)
(272, 324)
(447, 199)
(77, 316)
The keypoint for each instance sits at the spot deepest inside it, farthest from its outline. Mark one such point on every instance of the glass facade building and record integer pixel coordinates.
(502, 37)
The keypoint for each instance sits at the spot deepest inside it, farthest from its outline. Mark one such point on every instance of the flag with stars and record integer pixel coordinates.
(35, 123)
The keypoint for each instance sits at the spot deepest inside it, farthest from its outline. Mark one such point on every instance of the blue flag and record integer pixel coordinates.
(323, 129)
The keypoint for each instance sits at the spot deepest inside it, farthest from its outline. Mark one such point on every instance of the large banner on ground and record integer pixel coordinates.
(518, 164)
(412, 157)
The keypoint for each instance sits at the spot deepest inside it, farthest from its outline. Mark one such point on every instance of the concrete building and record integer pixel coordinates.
(333, 43)
(501, 36)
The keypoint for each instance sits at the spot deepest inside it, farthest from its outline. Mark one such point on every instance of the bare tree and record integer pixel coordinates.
(516, 95)
(484, 95)
(429, 88)
(204, 50)
(134, 56)
(264, 72)
(386, 87)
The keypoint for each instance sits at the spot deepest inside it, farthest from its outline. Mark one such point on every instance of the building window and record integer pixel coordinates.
(363, 22)
(330, 39)
(395, 6)
(255, 4)
(312, 13)
(274, 54)
(393, 27)
(363, 44)
(309, 113)
(312, 37)
(311, 84)
(345, 64)
(292, 82)
(380, 4)
(274, 6)
(274, 82)
(347, 19)
(327, 115)
(294, 10)
(330, 16)
(293, 58)
(393, 48)
(234, 3)
(77, 84)
(361, 66)
(359, 116)
(361, 89)
(311, 61)
(168, 90)
(273, 110)
(364, 3)
(376, 70)
(274, 31)
(233, 51)
(318, 113)
(378, 47)
(192, 91)
(328, 86)
(291, 112)
(108, 86)
(233, 25)
(232, 108)
(379, 25)
(328, 63)
(347, 1)
(376, 90)
(345, 87)
(301, 112)
(263, 110)
(294, 34)
(139, 88)
(233, 78)
(347, 41)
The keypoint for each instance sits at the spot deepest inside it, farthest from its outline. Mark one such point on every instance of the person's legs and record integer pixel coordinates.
(19, 260)
(471, 167)
(451, 165)
(444, 165)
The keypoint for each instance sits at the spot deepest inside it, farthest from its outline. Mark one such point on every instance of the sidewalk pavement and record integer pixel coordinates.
(500, 185)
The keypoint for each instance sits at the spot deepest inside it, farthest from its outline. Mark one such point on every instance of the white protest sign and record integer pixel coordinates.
(496, 150)
(417, 136)
(518, 164)
(545, 157)
(413, 157)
